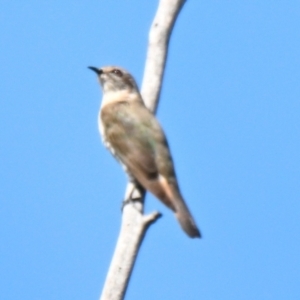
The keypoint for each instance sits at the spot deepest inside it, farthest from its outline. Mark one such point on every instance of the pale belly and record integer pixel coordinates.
(111, 149)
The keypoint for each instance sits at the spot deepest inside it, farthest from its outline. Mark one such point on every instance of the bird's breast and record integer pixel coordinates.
(101, 127)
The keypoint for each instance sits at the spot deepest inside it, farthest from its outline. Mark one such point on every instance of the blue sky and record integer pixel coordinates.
(230, 108)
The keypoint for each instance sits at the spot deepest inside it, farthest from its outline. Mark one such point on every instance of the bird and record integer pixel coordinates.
(136, 139)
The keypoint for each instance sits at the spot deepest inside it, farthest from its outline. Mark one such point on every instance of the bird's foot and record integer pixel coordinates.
(133, 194)
(128, 201)
(131, 200)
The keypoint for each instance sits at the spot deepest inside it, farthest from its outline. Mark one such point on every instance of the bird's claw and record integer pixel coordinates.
(128, 201)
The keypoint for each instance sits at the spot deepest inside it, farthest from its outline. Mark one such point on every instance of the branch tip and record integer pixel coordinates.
(151, 218)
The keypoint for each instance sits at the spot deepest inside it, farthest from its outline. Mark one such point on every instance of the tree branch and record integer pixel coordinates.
(134, 222)
(159, 37)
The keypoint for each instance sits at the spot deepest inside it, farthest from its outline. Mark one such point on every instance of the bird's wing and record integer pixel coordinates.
(130, 134)
(140, 144)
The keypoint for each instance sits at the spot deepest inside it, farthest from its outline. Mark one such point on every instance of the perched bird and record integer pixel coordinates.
(134, 136)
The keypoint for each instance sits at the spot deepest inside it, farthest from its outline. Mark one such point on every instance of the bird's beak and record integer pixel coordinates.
(96, 70)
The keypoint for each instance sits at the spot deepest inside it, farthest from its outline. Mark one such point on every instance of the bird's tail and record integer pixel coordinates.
(185, 219)
(170, 195)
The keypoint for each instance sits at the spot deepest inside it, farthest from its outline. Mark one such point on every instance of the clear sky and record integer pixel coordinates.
(230, 106)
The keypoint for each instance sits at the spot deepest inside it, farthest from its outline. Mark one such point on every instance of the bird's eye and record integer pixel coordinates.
(117, 72)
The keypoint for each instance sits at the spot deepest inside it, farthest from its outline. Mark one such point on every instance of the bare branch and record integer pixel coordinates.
(134, 223)
(157, 50)
(133, 229)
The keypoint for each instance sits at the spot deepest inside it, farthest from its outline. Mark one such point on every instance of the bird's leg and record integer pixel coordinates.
(134, 192)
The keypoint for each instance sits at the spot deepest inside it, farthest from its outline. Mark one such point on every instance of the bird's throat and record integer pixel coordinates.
(112, 97)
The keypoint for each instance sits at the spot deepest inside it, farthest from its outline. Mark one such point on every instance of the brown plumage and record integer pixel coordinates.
(135, 137)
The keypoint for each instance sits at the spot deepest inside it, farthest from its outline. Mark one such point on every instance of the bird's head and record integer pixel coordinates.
(115, 79)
